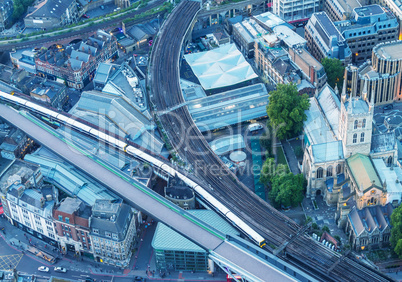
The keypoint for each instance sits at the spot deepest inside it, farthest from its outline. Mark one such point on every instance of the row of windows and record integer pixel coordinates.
(355, 138)
(320, 171)
(356, 124)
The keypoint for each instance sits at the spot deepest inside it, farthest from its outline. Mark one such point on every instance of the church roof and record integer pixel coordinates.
(330, 105)
(370, 218)
(326, 152)
(363, 171)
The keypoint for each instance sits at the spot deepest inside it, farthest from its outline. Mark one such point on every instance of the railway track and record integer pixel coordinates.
(188, 141)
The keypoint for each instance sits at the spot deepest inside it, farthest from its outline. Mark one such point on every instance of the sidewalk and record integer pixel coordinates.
(141, 260)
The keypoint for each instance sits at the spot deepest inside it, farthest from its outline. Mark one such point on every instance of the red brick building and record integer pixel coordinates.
(71, 218)
(75, 64)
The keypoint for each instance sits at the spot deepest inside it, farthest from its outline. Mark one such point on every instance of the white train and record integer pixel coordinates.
(135, 152)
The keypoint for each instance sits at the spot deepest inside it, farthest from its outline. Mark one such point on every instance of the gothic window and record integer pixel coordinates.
(338, 169)
(320, 172)
(329, 171)
(362, 137)
(364, 123)
(354, 138)
(356, 122)
(389, 161)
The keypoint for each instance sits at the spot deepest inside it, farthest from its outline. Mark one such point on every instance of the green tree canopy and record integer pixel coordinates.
(20, 7)
(286, 110)
(396, 231)
(269, 170)
(335, 71)
(287, 190)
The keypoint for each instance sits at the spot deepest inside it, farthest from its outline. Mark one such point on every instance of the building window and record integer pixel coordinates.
(60, 217)
(356, 122)
(95, 231)
(364, 123)
(329, 171)
(67, 220)
(362, 137)
(354, 138)
(108, 234)
(320, 172)
(114, 236)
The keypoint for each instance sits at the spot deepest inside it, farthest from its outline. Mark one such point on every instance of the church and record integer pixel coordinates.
(344, 160)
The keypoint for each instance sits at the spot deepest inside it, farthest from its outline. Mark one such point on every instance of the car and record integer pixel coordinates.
(89, 279)
(85, 16)
(102, 7)
(388, 107)
(60, 269)
(43, 268)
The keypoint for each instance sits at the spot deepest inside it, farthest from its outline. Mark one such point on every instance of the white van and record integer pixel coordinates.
(254, 126)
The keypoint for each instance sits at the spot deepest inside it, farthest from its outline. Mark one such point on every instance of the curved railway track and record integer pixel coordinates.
(188, 141)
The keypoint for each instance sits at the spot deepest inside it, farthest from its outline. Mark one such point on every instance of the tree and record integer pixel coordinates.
(286, 110)
(326, 228)
(287, 190)
(396, 231)
(335, 71)
(269, 170)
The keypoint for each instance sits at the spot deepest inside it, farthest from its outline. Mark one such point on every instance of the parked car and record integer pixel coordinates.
(43, 268)
(85, 16)
(89, 279)
(102, 7)
(388, 107)
(60, 269)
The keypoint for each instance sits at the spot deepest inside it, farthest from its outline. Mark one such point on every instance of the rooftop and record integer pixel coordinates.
(17, 170)
(288, 36)
(363, 171)
(49, 8)
(370, 219)
(220, 67)
(269, 19)
(357, 106)
(230, 107)
(166, 238)
(389, 51)
(326, 152)
(370, 10)
(70, 205)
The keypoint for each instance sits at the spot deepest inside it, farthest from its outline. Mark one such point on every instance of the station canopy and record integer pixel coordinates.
(220, 67)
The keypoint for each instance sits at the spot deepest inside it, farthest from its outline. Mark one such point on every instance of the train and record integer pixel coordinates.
(54, 116)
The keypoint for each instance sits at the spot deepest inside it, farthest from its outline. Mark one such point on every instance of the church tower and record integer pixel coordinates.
(356, 122)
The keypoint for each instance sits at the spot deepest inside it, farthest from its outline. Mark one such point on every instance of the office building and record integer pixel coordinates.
(113, 230)
(293, 11)
(369, 26)
(6, 12)
(325, 41)
(382, 74)
(31, 210)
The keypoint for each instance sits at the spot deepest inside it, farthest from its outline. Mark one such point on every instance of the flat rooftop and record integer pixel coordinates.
(392, 50)
(371, 10)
